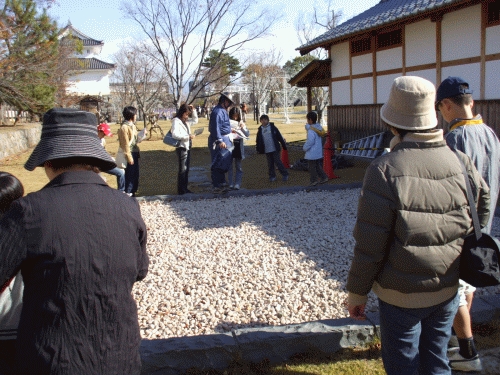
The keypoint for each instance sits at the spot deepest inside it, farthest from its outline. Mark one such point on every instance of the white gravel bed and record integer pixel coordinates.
(239, 262)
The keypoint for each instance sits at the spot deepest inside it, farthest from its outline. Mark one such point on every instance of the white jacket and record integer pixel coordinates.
(182, 131)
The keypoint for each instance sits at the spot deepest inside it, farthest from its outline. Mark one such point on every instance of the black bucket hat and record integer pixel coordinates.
(69, 133)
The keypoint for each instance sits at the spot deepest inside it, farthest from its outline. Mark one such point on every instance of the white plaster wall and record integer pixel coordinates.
(493, 39)
(470, 72)
(492, 87)
(461, 34)
(341, 93)
(384, 84)
(362, 91)
(362, 64)
(391, 58)
(340, 60)
(420, 42)
(90, 83)
(428, 74)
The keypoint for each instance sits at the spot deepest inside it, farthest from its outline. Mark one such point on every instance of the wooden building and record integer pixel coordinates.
(432, 39)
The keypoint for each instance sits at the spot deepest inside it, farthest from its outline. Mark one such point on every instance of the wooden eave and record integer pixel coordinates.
(433, 14)
(316, 74)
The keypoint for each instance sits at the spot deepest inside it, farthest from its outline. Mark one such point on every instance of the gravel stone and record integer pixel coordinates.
(221, 264)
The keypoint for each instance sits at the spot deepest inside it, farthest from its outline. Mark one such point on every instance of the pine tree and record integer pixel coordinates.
(28, 56)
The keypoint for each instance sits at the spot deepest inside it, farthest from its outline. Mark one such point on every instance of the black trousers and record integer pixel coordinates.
(184, 157)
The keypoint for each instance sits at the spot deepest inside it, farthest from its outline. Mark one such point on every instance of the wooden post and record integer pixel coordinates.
(309, 99)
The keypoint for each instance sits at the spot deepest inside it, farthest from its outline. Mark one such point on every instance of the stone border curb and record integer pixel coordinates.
(274, 343)
(249, 193)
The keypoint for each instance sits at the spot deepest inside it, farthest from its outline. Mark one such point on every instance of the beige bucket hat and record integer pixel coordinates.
(411, 104)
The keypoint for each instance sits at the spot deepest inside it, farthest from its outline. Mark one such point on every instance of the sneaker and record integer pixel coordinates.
(219, 190)
(313, 183)
(272, 179)
(231, 187)
(324, 181)
(236, 187)
(285, 177)
(459, 363)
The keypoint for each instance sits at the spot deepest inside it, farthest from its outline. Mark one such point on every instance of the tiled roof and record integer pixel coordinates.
(89, 64)
(86, 40)
(386, 11)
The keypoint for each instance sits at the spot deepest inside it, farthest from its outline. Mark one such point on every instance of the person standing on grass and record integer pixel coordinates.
(181, 130)
(219, 138)
(413, 214)
(268, 142)
(238, 153)
(129, 138)
(11, 292)
(80, 246)
(102, 131)
(313, 148)
(469, 134)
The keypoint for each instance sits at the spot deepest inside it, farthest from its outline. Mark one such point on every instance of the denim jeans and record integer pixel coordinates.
(239, 173)
(184, 157)
(273, 158)
(415, 341)
(120, 177)
(132, 175)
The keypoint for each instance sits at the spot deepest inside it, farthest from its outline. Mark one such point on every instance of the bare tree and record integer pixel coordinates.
(309, 27)
(263, 75)
(143, 79)
(183, 32)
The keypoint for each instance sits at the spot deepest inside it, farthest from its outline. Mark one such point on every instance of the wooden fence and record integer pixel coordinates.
(348, 123)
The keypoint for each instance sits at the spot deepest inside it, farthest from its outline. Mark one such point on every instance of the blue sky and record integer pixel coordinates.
(103, 20)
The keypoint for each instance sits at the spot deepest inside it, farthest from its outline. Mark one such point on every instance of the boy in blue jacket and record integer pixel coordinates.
(314, 149)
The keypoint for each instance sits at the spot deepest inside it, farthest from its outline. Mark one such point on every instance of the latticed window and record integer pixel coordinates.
(391, 38)
(493, 12)
(361, 46)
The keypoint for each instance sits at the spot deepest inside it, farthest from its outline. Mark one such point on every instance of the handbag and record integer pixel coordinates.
(222, 160)
(171, 141)
(121, 160)
(479, 261)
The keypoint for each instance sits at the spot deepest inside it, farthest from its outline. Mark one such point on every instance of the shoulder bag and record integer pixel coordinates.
(171, 141)
(479, 261)
(121, 160)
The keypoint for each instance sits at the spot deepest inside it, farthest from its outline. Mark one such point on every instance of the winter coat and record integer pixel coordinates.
(277, 138)
(240, 143)
(412, 217)
(478, 141)
(182, 131)
(313, 146)
(81, 246)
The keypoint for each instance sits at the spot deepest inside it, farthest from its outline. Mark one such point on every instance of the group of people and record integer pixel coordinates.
(413, 215)
(71, 252)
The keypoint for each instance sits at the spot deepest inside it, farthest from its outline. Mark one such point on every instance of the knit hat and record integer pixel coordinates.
(451, 87)
(411, 104)
(68, 133)
(105, 129)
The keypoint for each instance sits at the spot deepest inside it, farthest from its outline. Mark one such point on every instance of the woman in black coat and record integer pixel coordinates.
(80, 246)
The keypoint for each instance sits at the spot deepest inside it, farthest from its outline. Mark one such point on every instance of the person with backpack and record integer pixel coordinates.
(469, 134)
(314, 149)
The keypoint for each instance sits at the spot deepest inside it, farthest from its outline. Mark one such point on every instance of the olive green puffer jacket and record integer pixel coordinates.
(412, 217)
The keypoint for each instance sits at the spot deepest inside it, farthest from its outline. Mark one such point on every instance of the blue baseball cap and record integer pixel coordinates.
(452, 86)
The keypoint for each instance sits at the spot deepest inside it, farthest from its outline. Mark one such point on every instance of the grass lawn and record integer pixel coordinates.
(158, 163)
